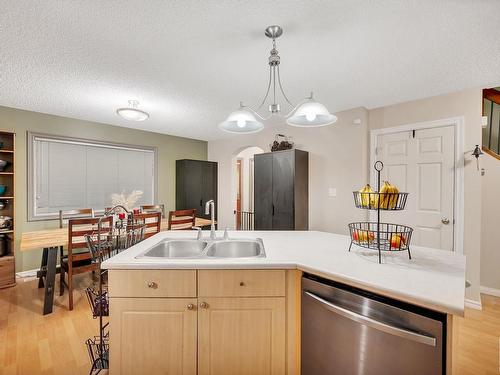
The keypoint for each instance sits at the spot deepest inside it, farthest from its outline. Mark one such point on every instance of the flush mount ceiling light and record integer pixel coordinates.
(131, 113)
(307, 113)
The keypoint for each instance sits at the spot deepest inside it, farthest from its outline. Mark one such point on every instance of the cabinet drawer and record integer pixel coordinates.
(152, 283)
(241, 283)
(7, 272)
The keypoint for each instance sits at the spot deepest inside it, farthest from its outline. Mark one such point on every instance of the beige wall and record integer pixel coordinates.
(469, 105)
(337, 159)
(490, 244)
(169, 149)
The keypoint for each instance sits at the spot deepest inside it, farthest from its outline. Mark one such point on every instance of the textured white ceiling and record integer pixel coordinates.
(189, 63)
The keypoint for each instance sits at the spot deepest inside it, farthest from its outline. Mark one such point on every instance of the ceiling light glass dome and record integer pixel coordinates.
(241, 121)
(132, 113)
(311, 114)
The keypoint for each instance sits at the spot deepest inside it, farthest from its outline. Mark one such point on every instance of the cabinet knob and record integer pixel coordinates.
(152, 285)
(242, 283)
(190, 306)
(204, 305)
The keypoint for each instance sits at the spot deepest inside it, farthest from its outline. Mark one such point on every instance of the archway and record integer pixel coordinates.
(243, 187)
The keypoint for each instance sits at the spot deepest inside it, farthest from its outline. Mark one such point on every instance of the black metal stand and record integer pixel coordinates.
(103, 245)
(381, 166)
(389, 237)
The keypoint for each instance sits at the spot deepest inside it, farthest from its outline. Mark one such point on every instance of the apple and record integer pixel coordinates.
(363, 236)
(397, 241)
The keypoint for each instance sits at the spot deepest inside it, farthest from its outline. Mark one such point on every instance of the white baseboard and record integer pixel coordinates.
(476, 305)
(490, 291)
(28, 273)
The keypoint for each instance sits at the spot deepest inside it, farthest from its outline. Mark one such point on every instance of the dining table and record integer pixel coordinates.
(50, 240)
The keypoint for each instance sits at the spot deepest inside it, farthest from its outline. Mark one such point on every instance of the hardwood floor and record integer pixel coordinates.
(478, 339)
(31, 343)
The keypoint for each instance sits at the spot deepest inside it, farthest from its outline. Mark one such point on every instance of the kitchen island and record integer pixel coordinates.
(181, 312)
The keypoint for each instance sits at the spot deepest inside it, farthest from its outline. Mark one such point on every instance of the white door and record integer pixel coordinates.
(422, 163)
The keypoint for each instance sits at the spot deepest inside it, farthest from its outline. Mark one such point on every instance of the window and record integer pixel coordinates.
(67, 173)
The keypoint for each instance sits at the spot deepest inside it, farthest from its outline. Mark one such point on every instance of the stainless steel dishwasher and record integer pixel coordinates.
(347, 331)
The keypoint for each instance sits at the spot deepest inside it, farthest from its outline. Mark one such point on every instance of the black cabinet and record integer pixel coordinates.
(196, 184)
(281, 192)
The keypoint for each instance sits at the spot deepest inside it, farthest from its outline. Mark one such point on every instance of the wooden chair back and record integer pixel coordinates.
(74, 214)
(152, 221)
(181, 219)
(154, 208)
(80, 262)
(78, 228)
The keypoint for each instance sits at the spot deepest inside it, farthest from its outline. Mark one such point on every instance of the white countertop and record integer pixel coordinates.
(432, 278)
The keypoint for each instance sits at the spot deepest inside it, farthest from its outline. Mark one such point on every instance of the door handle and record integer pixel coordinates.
(445, 220)
(201, 202)
(273, 210)
(370, 322)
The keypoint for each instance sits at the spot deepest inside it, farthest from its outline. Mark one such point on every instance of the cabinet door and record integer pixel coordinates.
(263, 191)
(153, 336)
(283, 190)
(209, 186)
(189, 186)
(244, 336)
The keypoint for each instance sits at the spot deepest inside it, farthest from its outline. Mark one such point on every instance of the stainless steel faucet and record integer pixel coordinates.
(198, 237)
(210, 209)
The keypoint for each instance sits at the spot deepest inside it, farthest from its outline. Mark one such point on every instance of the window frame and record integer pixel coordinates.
(32, 178)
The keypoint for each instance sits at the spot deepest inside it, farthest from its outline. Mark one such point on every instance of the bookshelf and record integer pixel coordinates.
(7, 208)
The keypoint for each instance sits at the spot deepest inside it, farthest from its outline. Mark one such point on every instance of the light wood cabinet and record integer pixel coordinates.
(241, 283)
(153, 336)
(152, 283)
(229, 322)
(243, 336)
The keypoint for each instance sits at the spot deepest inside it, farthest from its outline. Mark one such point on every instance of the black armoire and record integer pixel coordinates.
(196, 184)
(281, 190)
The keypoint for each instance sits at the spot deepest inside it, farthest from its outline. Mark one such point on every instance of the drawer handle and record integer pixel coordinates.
(204, 305)
(190, 306)
(242, 283)
(152, 285)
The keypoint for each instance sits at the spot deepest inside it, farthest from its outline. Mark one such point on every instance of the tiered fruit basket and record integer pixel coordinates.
(376, 235)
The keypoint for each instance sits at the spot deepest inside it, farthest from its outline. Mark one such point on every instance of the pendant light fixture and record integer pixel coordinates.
(131, 113)
(307, 113)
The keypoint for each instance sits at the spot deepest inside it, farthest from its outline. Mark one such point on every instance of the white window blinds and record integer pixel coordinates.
(71, 174)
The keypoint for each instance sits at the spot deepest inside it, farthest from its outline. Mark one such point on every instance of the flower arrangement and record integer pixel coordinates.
(127, 201)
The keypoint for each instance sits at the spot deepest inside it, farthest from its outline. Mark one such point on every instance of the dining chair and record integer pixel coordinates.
(181, 219)
(65, 215)
(154, 208)
(73, 214)
(151, 220)
(77, 262)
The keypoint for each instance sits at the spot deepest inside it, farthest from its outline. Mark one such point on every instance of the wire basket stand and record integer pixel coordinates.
(104, 243)
(377, 235)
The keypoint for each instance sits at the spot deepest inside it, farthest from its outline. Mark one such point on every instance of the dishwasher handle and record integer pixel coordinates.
(410, 335)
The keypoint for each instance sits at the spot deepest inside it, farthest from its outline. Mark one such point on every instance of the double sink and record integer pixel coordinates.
(190, 248)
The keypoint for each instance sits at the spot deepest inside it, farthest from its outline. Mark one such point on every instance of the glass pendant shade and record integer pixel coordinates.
(308, 113)
(311, 114)
(241, 122)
